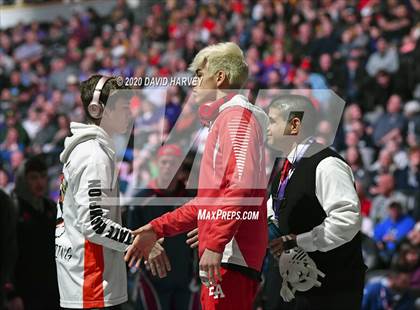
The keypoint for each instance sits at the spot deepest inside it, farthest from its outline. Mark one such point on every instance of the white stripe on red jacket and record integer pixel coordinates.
(232, 169)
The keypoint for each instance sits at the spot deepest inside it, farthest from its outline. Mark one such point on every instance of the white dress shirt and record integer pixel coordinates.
(335, 191)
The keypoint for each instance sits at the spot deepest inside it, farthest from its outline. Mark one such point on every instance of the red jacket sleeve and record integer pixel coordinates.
(176, 222)
(242, 148)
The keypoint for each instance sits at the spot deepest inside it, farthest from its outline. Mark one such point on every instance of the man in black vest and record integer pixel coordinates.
(315, 207)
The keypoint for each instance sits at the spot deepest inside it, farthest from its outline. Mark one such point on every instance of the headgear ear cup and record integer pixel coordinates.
(209, 111)
(96, 108)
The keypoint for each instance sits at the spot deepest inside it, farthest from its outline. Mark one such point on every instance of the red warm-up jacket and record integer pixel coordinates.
(232, 178)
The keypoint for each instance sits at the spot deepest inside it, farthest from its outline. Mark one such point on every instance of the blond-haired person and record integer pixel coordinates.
(232, 182)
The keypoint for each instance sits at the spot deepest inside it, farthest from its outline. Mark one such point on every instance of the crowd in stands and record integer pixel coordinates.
(366, 51)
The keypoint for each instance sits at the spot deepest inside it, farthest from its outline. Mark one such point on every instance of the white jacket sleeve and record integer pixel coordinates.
(338, 197)
(93, 219)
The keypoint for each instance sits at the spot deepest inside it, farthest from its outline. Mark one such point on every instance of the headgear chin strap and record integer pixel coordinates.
(95, 107)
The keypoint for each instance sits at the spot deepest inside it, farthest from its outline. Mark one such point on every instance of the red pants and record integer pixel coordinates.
(236, 291)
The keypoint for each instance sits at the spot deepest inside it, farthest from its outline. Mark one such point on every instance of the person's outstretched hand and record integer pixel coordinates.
(145, 239)
(192, 240)
(158, 261)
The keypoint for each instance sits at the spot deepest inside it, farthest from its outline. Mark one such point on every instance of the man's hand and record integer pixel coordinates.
(142, 245)
(277, 245)
(210, 263)
(192, 240)
(158, 261)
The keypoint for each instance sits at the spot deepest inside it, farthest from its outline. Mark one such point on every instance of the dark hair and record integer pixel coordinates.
(413, 150)
(359, 160)
(298, 106)
(396, 205)
(87, 89)
(398, 269)
(35, 164)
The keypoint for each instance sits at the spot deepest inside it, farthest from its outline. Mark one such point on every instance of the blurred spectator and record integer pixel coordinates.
(302, 44)
(5, 183)
(305, 79)
(329, 71)
(58, 76)
(350, 79)
(35, 282)
(48, 130)
(16, 87)
(12, 121)
(16, 159)
(31, 50)
(11, 143)
(32, 124)
(385, 194)
(148, 120)
(390, 292)
(412, 113)
(397, 152)
(409, 177)
(414, 235)
(27, 75)
(326, 41)
(392, 124)
(365, 206)
(365, 202)
(365, 144)
(70, 95)
(173, 105)
(385, 58)
(121, 11)
(63, 130)
(408, 258)
(354, 159)
(395, 21)
(384, 164)
(389, 232)
(352, 114)
(376, 92)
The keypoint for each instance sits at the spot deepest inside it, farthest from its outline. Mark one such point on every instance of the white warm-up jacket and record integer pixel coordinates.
(90, 241)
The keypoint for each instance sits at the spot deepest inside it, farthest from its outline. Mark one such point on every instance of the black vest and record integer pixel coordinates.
(301, 211)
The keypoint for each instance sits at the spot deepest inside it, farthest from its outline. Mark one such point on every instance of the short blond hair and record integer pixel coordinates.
(226, 57)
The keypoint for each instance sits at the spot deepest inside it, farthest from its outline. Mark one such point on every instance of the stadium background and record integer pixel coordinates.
(368, 52)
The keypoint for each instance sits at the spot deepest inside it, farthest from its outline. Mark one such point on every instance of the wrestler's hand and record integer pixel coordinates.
(158, 261)
(210, 263)
(142, 245)
(192, 240)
